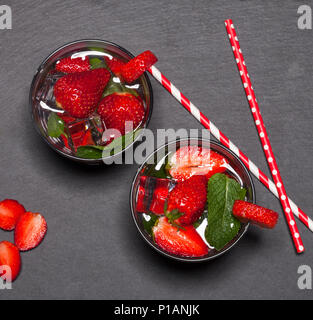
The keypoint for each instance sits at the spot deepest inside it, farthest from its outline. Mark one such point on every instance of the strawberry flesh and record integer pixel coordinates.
(10, 212)
(30, 231)
(189, 198)
(181, 242)
(193, 160)
(73, 65)
(152, 202)
(137, 66)
(80, 93)
(249, 212)
(115, 65)
(10, 256)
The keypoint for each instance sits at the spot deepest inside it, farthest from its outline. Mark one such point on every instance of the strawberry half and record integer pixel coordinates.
(10, 256)
(138, 66)
(115, 65)
(73, 65)
(188, 200)
(182, 242)
(118, 108)
(10, 212)
(80, 93)
(249, 212)
(193, 160)
(30, 231)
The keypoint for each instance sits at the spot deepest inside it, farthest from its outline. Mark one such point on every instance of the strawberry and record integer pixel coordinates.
(188, 200)
(10, 211)
(118, 108)
(194, 160)
(30, 231)
(249, 212)
(73, 65)
(80, 93)
(137, 66)
(10, 256)
(115, 65)
(182, 242)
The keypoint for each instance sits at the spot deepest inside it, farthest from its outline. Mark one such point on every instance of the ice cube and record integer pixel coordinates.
(84, 132)
(152, 194)
(45, 94)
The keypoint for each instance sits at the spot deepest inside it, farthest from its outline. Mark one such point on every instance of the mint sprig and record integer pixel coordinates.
(222, 225)
(116, 146)
(55, 125)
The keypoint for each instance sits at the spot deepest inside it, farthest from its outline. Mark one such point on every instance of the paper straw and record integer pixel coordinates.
(197, 114)
(267, 148)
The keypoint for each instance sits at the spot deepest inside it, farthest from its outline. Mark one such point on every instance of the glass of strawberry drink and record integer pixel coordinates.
(78, 94)
(179, 195)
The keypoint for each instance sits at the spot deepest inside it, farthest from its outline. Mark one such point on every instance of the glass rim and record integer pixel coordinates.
(73, 157)
(154, 246)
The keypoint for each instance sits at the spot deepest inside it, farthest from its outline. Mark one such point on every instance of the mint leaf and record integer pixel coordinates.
(89, 152)
(149, 221)
(111, 88)
(116, 146)
(55, 125)
(96, 49)
(120, 143)
(114, 87)
(222, 225)
(96, 63)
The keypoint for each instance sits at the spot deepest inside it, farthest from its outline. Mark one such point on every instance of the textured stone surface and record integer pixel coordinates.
(92, 249)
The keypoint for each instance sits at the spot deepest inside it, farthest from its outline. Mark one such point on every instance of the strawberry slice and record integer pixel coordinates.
(193, 160)
(182, 242)
(10, 212)
(188, 200)
(138, 66)
(10, 256)
(249, 212)
(152, 202)
(115, 65)
(160, 196)
(80, 93)
(73, 65)
(30, 231)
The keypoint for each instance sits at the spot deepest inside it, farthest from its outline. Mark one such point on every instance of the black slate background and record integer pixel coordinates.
(92, 249)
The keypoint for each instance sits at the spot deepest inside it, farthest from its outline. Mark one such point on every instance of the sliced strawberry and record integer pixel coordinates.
(73, 65)
(249, 212)
(192, 160)
(141, 205)
(80, 93)
(118, 108)
(115, 65)
(87, 139)
(30, 231)
(9, 257)
(160, 196)
(188, 199)
(182, 242)
(137, 66)
(10, 212)
(152, 202)
(65, 141)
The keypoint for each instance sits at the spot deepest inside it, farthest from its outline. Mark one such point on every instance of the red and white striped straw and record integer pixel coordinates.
(198, 115)
(267, 148)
